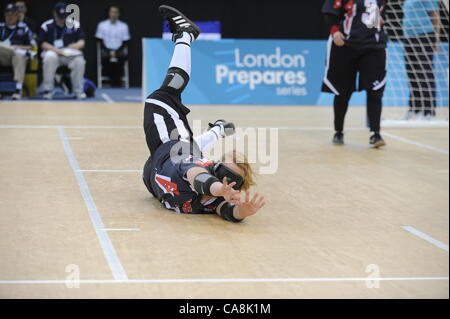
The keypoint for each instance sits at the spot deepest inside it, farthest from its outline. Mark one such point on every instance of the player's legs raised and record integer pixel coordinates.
(184, 33)
(164, 115)
(179, 70)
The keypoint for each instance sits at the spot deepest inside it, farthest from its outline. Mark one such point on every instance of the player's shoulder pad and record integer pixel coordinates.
(24, 26)
(45, 25)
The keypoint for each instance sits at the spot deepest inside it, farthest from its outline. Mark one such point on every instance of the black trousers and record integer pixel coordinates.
(114, 70)
(419, 53)
(343, 65)
(165, 119)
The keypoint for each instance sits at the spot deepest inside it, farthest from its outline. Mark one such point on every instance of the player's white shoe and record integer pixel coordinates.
(225, 128)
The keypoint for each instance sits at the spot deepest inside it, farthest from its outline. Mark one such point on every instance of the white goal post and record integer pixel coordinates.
(418, 54)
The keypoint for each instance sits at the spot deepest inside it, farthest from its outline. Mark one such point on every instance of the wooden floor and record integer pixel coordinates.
(337, 219)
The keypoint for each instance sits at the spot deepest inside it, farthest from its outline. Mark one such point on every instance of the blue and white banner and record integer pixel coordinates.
(243, 71)
(270, 72)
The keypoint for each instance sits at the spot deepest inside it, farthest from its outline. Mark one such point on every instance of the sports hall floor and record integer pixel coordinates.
(336, 220)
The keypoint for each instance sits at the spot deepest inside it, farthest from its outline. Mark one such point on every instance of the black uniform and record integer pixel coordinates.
(173, 153)
(364, 51)
(19, 35)
(50, 32)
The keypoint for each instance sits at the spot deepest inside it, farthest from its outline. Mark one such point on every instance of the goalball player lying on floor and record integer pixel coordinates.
(176, 172)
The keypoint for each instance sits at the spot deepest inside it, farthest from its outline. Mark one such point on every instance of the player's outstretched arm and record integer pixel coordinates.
(249, 207)
(207, 184)
(242, 209)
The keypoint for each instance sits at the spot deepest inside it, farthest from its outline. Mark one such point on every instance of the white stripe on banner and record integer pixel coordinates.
(108, 249)
(178, 122)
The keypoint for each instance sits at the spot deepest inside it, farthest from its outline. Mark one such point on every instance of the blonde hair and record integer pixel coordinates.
(241, 161)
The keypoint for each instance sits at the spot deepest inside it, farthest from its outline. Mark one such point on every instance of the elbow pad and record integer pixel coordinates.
(226, 212)
(203, 182)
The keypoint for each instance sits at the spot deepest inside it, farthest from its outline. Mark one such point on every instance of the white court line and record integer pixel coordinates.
(134, 98)
(223, 280)
(443, 172)
(73, 126)
(414, 124)
(287, 128)
(405, 140)
(298, 128)
(112, 170)
(108, 249)
(310, 128)
(121, 229)
(107, 98)
(75, 138)
(429, 239)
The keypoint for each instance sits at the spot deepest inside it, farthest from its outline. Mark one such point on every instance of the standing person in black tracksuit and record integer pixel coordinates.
(176, 173)
(357, 44)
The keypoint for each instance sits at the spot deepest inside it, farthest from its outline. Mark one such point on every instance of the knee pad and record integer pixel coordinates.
(176, 79)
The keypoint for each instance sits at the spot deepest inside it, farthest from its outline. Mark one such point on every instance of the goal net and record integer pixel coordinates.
(418, 61)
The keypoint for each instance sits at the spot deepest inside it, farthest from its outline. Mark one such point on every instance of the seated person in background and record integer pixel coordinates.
(15, 41)
(22, 7)
(113, 35)
(62, 45)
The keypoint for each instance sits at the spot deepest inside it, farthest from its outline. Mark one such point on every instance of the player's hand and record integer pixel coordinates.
(339, 38)
(228, 193)
(250, 207)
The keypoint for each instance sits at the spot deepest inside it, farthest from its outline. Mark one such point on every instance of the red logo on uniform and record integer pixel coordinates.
(168, 186)
(187, 208)
(204, 162)
(337, 4)
(349, 6)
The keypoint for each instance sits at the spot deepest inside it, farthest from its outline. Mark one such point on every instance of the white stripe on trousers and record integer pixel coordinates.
(184, 134)
(162, 128)
(325, 78)
(383, 82)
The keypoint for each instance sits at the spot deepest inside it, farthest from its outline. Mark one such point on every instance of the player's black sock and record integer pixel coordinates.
(374, 106)
(340, 109)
